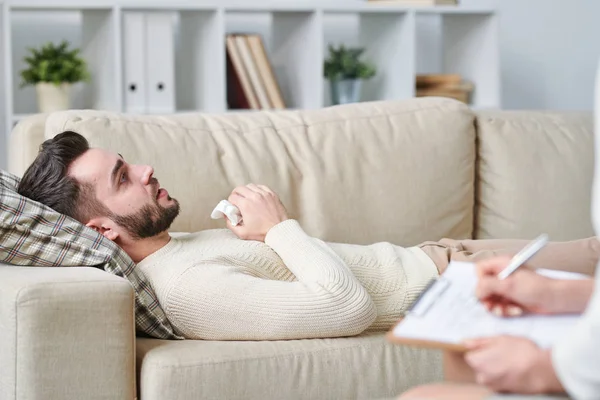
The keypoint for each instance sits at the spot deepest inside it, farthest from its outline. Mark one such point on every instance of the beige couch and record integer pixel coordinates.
(403, 172)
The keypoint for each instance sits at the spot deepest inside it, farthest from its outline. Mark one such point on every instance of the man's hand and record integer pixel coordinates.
(261, 210)
(512, 364)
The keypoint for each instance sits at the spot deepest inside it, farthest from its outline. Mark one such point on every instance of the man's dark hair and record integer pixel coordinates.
(46, 180)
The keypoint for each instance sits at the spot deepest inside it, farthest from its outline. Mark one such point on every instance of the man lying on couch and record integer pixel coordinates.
(265, 279)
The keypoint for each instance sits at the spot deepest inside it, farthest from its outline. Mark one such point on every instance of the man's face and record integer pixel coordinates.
(138, 207)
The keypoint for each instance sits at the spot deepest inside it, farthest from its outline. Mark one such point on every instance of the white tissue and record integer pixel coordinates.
(226, 209)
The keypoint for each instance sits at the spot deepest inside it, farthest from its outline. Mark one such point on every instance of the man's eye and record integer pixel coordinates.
(123, 177)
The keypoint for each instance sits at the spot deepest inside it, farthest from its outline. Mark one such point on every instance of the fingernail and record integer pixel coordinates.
(514, 311)
(497, 310)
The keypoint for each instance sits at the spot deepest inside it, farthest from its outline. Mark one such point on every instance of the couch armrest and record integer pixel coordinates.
(66, 333)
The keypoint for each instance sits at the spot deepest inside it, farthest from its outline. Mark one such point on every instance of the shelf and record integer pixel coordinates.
(60, 6)
(364, 7)
(295, 35)
(170, 6)
(240, 6)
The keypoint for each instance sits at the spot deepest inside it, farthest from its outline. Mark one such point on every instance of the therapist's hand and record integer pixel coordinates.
(522, 291)
(527, 291)
(512, 364)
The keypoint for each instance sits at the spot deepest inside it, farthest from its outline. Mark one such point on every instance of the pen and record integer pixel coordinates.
(522, 256)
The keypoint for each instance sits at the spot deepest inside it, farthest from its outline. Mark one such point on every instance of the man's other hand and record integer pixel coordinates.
(261, 210)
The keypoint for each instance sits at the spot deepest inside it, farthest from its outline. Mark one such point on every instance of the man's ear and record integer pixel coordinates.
(104, 226)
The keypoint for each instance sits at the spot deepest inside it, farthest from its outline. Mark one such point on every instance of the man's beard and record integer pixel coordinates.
(151, 220)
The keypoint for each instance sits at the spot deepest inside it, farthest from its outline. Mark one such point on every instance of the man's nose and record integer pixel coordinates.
(147, 172)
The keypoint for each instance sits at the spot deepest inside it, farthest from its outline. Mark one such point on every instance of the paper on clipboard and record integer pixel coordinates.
(447, 313)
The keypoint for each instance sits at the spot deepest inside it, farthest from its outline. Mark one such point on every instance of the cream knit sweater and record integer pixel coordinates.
(215, 286)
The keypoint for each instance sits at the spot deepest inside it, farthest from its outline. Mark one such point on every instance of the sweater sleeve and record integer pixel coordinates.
(575, 358)
(325, 301)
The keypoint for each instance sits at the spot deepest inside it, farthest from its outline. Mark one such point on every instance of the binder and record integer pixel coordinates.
(134, 59)
(160, 62)
(447, 313)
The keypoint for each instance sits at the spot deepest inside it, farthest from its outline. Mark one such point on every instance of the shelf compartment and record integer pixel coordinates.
(388, 39)
(294, 47)
(91, 30)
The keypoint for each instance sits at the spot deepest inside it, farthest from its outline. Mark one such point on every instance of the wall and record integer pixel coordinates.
(549, 51)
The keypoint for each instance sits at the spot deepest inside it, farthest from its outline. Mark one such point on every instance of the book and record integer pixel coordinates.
(265, 71)
(239, 89)
(447, 313)
(251, 68)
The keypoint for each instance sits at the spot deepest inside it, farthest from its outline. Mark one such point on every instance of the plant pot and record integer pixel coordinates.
(53, 97)
(345, 91)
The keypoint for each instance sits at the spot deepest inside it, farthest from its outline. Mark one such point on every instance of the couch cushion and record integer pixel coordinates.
(24, 143)
(347, 368)
(534, 175)
(32, 234)
(398, 171)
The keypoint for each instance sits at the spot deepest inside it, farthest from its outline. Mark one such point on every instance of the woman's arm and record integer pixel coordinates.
(569, 296)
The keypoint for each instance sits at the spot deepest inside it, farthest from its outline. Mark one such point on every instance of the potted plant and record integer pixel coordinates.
(346, 71)
(53, 69)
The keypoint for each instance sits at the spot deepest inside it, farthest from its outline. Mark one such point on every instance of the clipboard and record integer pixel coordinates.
(419, 307)
(447, 312)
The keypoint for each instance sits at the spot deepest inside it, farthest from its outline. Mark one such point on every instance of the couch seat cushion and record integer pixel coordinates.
(359, 367)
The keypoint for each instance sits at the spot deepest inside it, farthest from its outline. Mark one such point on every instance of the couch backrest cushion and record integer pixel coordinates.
(24, 143)
(534, 175)
(385, 171)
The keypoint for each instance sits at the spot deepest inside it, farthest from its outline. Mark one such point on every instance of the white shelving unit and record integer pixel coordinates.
(296, 36)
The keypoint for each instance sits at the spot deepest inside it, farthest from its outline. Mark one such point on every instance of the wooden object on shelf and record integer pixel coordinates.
(444, 85)
(428, 80)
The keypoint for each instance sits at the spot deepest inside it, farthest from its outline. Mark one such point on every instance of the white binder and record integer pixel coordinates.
(160, 62)
(134, 57)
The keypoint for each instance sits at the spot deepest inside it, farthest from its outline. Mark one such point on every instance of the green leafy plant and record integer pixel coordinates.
(345, 63)
(53, 63)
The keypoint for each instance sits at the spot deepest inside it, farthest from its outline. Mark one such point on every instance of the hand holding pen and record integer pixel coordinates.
(508, 290)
